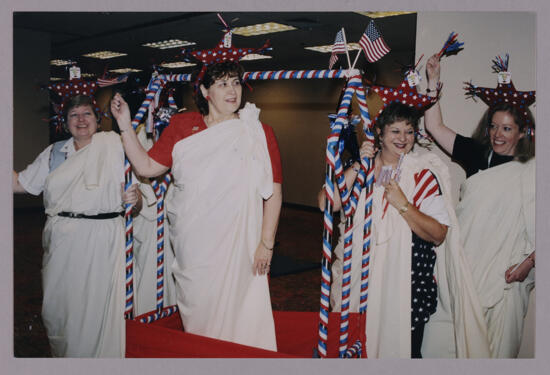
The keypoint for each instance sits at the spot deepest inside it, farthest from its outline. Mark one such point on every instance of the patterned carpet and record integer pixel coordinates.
(298, 244)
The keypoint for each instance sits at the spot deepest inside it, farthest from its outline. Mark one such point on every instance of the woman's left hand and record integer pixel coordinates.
(433, 69)
(395, 195)
(368, 149)
(131, 196)
(520, 273)
(262, 260)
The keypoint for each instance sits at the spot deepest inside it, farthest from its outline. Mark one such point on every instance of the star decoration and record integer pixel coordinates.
(405, 94)
(73, 87)
(67, 90)
(503, 93)
(224, 51)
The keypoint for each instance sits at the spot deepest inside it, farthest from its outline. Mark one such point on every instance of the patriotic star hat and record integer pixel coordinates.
(505, 92)
(224, 51)
(69, 89)
(405, 93)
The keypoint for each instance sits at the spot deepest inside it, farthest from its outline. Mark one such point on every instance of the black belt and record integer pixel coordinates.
(107, 215)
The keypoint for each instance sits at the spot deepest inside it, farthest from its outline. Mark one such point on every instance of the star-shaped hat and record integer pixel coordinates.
(67, 90)
(505, 92)
(224, 51)
(405, 93)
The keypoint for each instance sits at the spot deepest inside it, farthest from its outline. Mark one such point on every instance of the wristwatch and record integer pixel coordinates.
(404, 208)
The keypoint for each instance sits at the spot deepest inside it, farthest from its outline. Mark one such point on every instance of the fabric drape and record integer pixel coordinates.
(221, 176)
(83, 264)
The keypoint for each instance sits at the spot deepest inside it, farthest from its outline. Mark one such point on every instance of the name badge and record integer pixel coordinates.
(227, 40)
(413, 78)
(74, 72)
(504, 77)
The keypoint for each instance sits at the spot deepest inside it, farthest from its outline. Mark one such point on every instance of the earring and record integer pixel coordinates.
(207, 98)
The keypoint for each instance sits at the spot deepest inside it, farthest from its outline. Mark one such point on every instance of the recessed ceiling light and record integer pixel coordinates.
(328, 48)
(61, 62)
(177, 64)
(261, 28)
(382, 14)
(105, 54)
(255, 56)
(125, 70)
(171, 43)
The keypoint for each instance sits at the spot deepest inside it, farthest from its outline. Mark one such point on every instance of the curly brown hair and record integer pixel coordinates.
(394, 112)
(213, 73)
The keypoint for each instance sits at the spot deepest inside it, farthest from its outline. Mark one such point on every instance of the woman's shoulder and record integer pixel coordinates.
(529, 167)
(107, 135)
(426, 160)
(107, 140)
(183, 125)
(431, 162)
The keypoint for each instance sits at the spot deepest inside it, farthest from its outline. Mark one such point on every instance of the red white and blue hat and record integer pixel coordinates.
(505, 92)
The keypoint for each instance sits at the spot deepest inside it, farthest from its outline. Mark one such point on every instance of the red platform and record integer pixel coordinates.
(297, 336)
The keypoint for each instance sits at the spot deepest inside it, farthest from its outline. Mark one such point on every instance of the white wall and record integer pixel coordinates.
(485, 35)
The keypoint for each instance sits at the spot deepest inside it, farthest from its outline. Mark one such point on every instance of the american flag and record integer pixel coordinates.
(373, 44)
(338, 47)
(104, 82)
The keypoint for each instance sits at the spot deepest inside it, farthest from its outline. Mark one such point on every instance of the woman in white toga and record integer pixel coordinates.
(224, 209)
(83, 266)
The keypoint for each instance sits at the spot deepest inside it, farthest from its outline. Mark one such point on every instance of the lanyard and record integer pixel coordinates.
(489, 159)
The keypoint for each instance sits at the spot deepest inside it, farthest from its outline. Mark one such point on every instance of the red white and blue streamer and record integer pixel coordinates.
(349, 200)
(129, 237)
(160, 192)
(156, 315)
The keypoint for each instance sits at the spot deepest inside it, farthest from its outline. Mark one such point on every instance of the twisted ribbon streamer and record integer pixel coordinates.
(156, 315)
(129, 305)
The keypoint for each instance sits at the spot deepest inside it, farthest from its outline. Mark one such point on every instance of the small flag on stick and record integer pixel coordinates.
(104, 82)
(339, 46)
(373, 44)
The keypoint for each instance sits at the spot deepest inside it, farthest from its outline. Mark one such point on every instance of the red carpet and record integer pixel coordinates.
(297, 336)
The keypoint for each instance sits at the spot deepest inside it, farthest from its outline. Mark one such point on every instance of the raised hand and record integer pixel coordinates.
(121, 112)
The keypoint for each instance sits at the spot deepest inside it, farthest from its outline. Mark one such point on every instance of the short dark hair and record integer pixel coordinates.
(525, 149)
(394, 112)
(77, 101)
(214, 72)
